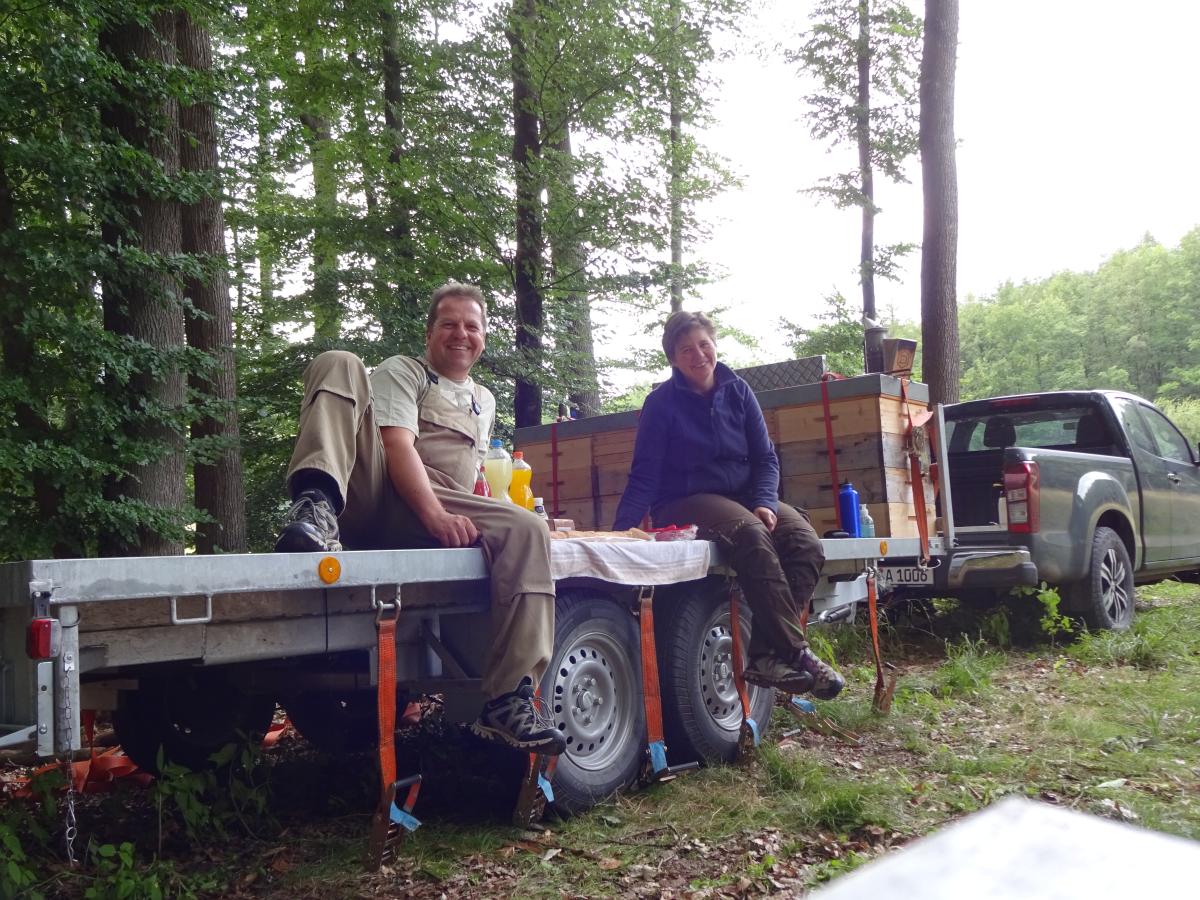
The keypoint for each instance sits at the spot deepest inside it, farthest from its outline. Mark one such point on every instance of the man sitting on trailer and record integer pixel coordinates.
(390, 459)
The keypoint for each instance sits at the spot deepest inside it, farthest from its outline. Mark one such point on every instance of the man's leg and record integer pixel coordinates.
(517, 546)
(338, 462)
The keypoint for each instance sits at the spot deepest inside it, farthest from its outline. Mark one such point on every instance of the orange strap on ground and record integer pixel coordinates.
(829, 448)
(650, 689)
(739, 661)
(387, 700)
(873, 614)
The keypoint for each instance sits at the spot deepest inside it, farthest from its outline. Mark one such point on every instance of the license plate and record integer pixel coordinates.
(894, 576)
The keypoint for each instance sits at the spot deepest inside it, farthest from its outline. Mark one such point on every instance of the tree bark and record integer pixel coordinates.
(675, 151)
(872, 344)
(941, 368)
(219, 487)
(567, 258)
(527, 260)
(324, 306)
(143, 303)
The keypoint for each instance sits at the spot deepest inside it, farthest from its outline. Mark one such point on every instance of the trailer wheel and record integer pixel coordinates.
(338, 723)
(702, 713)
(1104, 597)
(190, 716)
(593, 688)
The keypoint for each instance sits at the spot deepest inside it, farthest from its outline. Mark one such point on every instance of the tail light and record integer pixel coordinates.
(43, 639)
(1022, 495)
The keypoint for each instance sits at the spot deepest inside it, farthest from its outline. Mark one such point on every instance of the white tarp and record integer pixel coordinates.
(629, 561)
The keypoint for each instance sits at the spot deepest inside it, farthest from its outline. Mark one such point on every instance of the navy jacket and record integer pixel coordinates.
(689, 444)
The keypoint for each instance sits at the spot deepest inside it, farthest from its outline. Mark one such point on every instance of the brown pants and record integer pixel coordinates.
(340, 437)
(777, 570)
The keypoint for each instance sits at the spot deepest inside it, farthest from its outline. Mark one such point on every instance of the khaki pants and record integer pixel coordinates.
(340, 437)
(777, 570)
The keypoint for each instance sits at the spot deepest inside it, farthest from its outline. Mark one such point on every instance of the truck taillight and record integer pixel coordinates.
(1022, 495)
(43, 638)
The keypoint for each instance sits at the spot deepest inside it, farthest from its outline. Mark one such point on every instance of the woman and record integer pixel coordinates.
(703, 457)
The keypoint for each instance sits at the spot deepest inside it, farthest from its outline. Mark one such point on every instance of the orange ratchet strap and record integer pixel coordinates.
(750, 732)
(915, 421)
(554, 470)
(829, 448)
(657, 768)
(883, 692)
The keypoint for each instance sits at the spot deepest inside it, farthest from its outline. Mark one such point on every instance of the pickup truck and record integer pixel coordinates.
(1100, 487)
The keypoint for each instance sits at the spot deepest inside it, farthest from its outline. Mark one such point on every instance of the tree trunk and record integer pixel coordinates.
(873, 338)
(675, 188)
(219, 488)
(527, 260)
(265, 248)
(567, 258)
(941, 368)
(324, 306)
(142, 300)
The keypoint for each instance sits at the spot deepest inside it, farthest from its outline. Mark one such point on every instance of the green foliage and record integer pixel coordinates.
(118, 876)
(968, 669)
(839, 337)
(18, 878)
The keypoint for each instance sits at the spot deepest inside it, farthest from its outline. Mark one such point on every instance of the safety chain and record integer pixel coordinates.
(70, 831)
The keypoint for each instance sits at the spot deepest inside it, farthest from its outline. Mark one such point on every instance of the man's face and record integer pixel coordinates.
(455, 341)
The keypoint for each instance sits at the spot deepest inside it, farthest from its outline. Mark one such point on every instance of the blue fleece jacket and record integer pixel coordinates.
(688, 444)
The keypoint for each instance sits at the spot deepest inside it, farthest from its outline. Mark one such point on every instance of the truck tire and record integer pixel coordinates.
(1104, 598)
(702, 714)
(190, 716)
(593, 687)
(338, 723)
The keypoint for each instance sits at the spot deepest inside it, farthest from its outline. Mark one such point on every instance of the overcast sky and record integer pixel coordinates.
(1077, 134)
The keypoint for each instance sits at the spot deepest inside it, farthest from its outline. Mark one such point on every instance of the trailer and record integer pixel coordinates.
(191, 652)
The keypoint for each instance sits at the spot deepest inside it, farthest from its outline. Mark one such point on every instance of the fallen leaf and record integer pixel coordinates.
(1115, 783)
(608, 863)
(551, 853)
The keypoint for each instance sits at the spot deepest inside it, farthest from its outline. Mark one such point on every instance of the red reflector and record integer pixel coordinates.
(1013, 403)
(42, 639)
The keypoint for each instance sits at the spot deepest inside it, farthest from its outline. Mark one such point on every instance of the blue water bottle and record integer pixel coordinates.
(848, 506)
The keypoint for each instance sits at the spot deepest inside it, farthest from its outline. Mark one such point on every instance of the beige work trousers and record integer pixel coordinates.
(338, 435)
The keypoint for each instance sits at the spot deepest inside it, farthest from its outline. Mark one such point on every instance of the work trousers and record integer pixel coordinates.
(777, 570)
(338, 435)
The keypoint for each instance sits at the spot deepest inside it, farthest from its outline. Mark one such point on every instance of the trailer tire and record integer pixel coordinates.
(593, 688)
(702, 713)
(190, 716)
(338, 723)
(1104, 597)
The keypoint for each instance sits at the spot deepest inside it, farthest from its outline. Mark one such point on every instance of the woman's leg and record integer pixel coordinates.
(800, 553)
(755, 560)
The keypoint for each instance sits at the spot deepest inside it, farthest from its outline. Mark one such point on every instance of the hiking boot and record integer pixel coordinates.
(770, 671)
(519, 720)
(827, 683)
(311, 526)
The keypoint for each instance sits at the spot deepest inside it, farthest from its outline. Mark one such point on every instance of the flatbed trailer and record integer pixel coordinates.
(189, 652)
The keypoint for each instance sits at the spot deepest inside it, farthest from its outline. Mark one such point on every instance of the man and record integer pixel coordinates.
(390, 460)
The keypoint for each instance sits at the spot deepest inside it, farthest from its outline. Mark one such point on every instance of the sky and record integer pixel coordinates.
(1077, 136)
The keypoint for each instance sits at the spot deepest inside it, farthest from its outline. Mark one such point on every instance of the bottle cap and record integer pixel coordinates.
(496, 443)
(538, 501)
(518, 454)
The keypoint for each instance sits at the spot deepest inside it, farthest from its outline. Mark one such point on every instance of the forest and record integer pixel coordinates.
(196, 199)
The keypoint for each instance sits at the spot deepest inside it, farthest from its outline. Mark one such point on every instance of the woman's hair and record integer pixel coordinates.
(455, 289)
(679, 324)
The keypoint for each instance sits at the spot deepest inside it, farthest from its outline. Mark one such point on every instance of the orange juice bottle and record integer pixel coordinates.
(520, 491)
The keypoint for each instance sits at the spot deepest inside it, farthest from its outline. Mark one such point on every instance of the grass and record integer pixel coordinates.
(1108, 724)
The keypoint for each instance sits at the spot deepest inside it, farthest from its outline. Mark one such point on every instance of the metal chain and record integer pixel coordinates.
(70, 831)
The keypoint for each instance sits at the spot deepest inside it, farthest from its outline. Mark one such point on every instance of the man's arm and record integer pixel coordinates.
(407, 472)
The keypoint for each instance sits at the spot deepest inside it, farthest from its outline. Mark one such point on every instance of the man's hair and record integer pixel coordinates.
(455, 289)
(679, 324)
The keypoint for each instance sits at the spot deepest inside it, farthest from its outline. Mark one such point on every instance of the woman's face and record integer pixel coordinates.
(695, 357)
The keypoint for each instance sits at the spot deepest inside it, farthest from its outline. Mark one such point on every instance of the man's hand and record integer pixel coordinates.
(450, 530)
(768, 518)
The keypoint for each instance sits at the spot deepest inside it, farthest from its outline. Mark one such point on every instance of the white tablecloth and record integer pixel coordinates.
(630, 562)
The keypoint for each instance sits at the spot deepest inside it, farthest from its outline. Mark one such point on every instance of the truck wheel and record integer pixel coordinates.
(190, 716)
(1104, 598)
(702, 713)
(593, 688)
(338, 723)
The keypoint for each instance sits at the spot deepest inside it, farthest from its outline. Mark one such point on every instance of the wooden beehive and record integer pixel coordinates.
(593, 456)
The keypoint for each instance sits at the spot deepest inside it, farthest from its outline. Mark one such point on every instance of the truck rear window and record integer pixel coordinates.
(1078, 428)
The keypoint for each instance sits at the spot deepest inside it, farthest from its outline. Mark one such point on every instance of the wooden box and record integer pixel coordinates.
(589, 459)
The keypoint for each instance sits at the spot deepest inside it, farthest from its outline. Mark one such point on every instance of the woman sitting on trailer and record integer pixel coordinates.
(703, 457)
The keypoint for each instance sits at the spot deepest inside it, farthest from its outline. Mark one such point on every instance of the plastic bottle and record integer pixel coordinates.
(848, 506)
(482, 488)
(497, 469)
(520, 492)
(866, 524)
(539, 508)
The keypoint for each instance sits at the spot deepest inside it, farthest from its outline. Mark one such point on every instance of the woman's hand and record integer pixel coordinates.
(768, 517)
